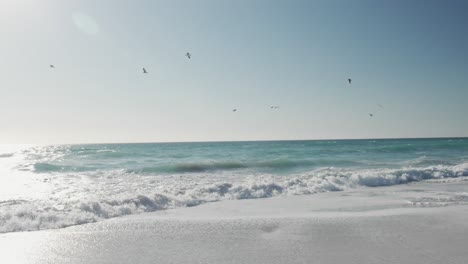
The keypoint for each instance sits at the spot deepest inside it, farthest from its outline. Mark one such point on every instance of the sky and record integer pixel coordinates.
(408, 61)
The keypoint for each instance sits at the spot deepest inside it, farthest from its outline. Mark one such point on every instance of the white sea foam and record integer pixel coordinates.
(78, 199)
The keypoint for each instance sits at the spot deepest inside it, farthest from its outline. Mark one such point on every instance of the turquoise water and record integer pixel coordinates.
(56, 186)
(277, 157)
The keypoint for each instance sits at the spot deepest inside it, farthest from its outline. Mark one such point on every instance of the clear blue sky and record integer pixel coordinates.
(409, 56)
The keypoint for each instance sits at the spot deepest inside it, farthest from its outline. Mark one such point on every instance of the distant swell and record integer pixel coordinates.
(188, 167)
(219, 165)
(192, 167)
(22, 215)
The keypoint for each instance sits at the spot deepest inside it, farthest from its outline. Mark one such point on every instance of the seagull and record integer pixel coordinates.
(274, 107)
(52, 66)
(144, 70)
(188, 55)
(349, 80)
(371, 115)
(234, 110)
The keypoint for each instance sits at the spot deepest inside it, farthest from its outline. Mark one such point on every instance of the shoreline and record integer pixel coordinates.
(369, 225)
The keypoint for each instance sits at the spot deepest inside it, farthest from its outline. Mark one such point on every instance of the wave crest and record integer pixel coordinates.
(22, 215)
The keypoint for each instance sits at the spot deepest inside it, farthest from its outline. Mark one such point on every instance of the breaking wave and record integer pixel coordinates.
(22, 215)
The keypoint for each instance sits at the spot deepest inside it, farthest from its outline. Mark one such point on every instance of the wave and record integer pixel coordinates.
(192, 167)
(207, 166)
(189, 167)
(21, 215)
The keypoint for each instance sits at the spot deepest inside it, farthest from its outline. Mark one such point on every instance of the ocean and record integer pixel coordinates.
(55, 186)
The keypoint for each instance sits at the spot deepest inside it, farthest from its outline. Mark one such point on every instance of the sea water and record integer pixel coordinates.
(55, 186)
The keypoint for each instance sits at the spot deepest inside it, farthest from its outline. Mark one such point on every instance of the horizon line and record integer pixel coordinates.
(233, 141)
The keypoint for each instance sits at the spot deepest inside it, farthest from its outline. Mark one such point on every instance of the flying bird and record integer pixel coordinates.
(52, 66)
(144, 70)
(349, 80)
(371, 115)
(274, 107)
(234, 110)
(188, 55)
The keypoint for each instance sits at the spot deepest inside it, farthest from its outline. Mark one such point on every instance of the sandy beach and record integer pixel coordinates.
(414, 223)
